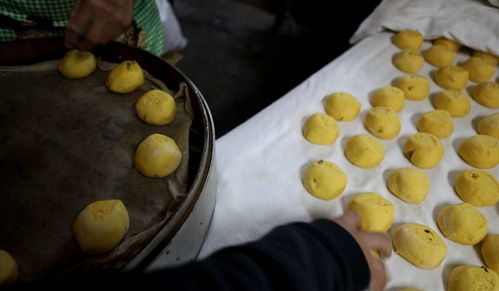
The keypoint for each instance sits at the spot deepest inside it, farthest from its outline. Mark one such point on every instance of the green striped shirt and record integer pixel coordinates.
(145, 17)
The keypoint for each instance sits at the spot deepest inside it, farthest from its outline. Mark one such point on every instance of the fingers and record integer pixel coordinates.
(350, 220)
(379, 276)
(379, 242)
(79, 23)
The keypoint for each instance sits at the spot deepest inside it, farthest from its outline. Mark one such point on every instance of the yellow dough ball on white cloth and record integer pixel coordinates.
(450, 44)
(490, 251)
(408, 39)
(456, 102)
(488, 57)
(409, 184)
(324, 179)
(408, 61)
(364, 151)
(382, 122)
(472, 278)
(321, 129)
(376, 212)
(477, 187)
(424, 150)
(439, 56)
(479, 69)
(486, 94)
(489, 125)
(342, 106)
(462, 223)
(437, 122)
(415, 87)
(388, 96)
(480, 151)
(451, 77)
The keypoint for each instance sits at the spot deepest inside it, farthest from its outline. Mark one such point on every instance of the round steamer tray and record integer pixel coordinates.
(181, 239)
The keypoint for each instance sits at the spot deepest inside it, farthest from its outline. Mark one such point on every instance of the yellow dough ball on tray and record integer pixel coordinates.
(415, 87)
(488, 57)
(437, 122)
(489, 125)
(420, 245)
(472, 278)
(439, 56)
(342, 106)
(451, 77)
(77, 64)
(157, 156)
(408, 39)
(375, 211)
(364, 151)
(125, 77)
(408, 61)
(424, 150)
(486, 94)
(324, 180)
(156, 107)
(456, 102)
(321, 129)
(490, 251)
(450, 44)
(101, 226)
(480, 151)
(382, 122)
(479, 69)
(388, 96)
(477, 187)
(409, 184)
(8, 269)
(462, 223)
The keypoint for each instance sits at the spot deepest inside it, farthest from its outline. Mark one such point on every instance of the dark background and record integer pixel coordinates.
(245, 54)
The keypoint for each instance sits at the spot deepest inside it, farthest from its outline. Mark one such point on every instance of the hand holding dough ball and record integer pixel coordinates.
(420, 245)
(472, 278)
(101, 226)
(489, 125)
(376, 212)
(490, 58)
(490, 251)
(487, 94)
(408, 61)
(156, 107)
(409, 184)
(462, 223)
(439, 56)
(450, 44)
(8, 269)
(382, 122)
(479, 69)
(456, 102)
(451, 77)
(415, 87)
(321, 129)
(388, 96)
(77, 64)
(364, 151)
(157, 156)
(342, 106)
(480, 151)
(424, 150)
(125, 77)
(408, 40)
(437, 122)
(477, 187)
(324, 180)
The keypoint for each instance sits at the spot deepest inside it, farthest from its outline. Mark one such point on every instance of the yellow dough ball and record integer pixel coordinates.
(487, 94)
(456, 102)
(415, 87)
(364, 151)
(157, 156)
(101, 226)
(480, 151)
(479, 69)
(321, 129)
(490, 58)
(8, 269)
(342, 106)
(376, 212)
(156, 107)
(408, 39)
(420, 245)
(77, 64)
(409, 184)
(451, 77)
(408, 61)
(388, 96)
(462, 223)
(437, 122)
(490, 251)
(382, 122)
(324, 180)
(472, 278)
(439, 56)
(424, 150)
(489, 125)
(450, 44)
(477, 187)
(125, 77)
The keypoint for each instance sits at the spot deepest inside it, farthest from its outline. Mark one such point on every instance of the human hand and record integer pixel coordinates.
(369, 241)
(95, 22)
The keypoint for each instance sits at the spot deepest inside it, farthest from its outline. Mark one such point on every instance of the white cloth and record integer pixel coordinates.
(174, 38)
(473, 23)
(260, 163)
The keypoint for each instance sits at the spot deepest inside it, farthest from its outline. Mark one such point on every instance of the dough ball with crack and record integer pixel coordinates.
(382, 122)
(462, 223)
(415, 87)
(375, 211)
(437, 122)
(409, 184)
(342, 106)
(489, 125)
(480, 151)
(125, 77)
(456, 102)
(450, 44)
(490, 251)
(451, 77)
(388, 96)
(408, 39)
(156, 107)
(479, 69)
(486, 94)
(364, 151)
(439, 56)
(157, 156)
(408, 61)
(477, 187)
(77, 64)
(321, 129)
(472, 278)
(324, 179)
(424, 150)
